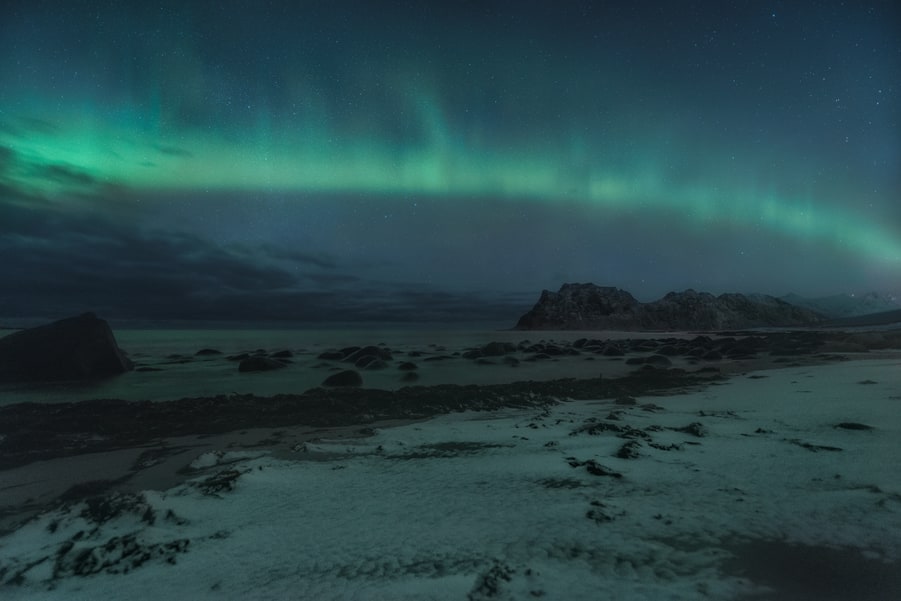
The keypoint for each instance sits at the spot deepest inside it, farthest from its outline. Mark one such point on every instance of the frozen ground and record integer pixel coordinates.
(782, 484)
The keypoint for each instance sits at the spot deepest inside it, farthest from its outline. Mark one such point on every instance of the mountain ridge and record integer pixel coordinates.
(592, 307)
(847, 305)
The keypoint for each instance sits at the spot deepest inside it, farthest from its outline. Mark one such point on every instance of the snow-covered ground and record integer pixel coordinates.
(738, 491)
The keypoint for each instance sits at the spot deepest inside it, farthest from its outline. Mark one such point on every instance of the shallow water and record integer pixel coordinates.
(183, 374)
(796, 572)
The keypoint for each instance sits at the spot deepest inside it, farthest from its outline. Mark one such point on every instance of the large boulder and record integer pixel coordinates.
(348, 377)
(76, 348)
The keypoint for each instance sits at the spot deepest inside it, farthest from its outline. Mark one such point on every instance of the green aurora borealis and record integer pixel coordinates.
(444, 168)
(771, 128)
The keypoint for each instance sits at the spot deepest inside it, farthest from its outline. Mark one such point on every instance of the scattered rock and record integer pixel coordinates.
(630, 432)
(367, 351)
(593, 467)
(853, 426)
(407, 366)
(600, 513)
(492, 349)
(370, 362)
(661, 447)
(496, 349)
(694, 428)
(629, 450)
(223, 481)
(205, 352)
(489, 585)
(348, 377)
(593, 428)
(598, 516)
(814, 448)
(658, 361)
(176, 358)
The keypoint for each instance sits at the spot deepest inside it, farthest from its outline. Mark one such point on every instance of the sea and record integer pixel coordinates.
(168, 367)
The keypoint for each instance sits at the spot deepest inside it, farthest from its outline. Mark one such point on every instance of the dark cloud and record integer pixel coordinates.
(65, 260)
(316, 260)
(332, 279)
(57, 263)
(19, 173)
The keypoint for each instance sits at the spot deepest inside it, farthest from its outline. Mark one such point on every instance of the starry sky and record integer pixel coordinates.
(441, 161)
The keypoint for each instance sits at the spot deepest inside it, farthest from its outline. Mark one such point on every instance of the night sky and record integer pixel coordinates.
(441, 161)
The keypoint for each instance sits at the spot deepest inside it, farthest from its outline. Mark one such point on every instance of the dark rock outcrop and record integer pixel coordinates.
(76, 348)
(577, 306)
(492, 349)
(591, 307)
(373, 352)
(348, 377)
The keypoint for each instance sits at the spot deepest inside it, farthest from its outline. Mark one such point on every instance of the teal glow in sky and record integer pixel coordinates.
(471, 151)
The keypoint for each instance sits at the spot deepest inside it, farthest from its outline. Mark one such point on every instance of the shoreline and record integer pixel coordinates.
(65, 452)
(736, 489)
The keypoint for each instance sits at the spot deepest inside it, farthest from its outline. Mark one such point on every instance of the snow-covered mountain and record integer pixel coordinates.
(847, 305)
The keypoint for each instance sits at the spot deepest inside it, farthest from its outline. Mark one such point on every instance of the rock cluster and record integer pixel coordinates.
(364, 357)
(591, 307)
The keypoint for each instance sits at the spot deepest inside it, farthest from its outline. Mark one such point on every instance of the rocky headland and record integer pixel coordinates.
(592, 307)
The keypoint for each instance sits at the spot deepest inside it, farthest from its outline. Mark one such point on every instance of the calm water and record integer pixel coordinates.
(185, 375)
